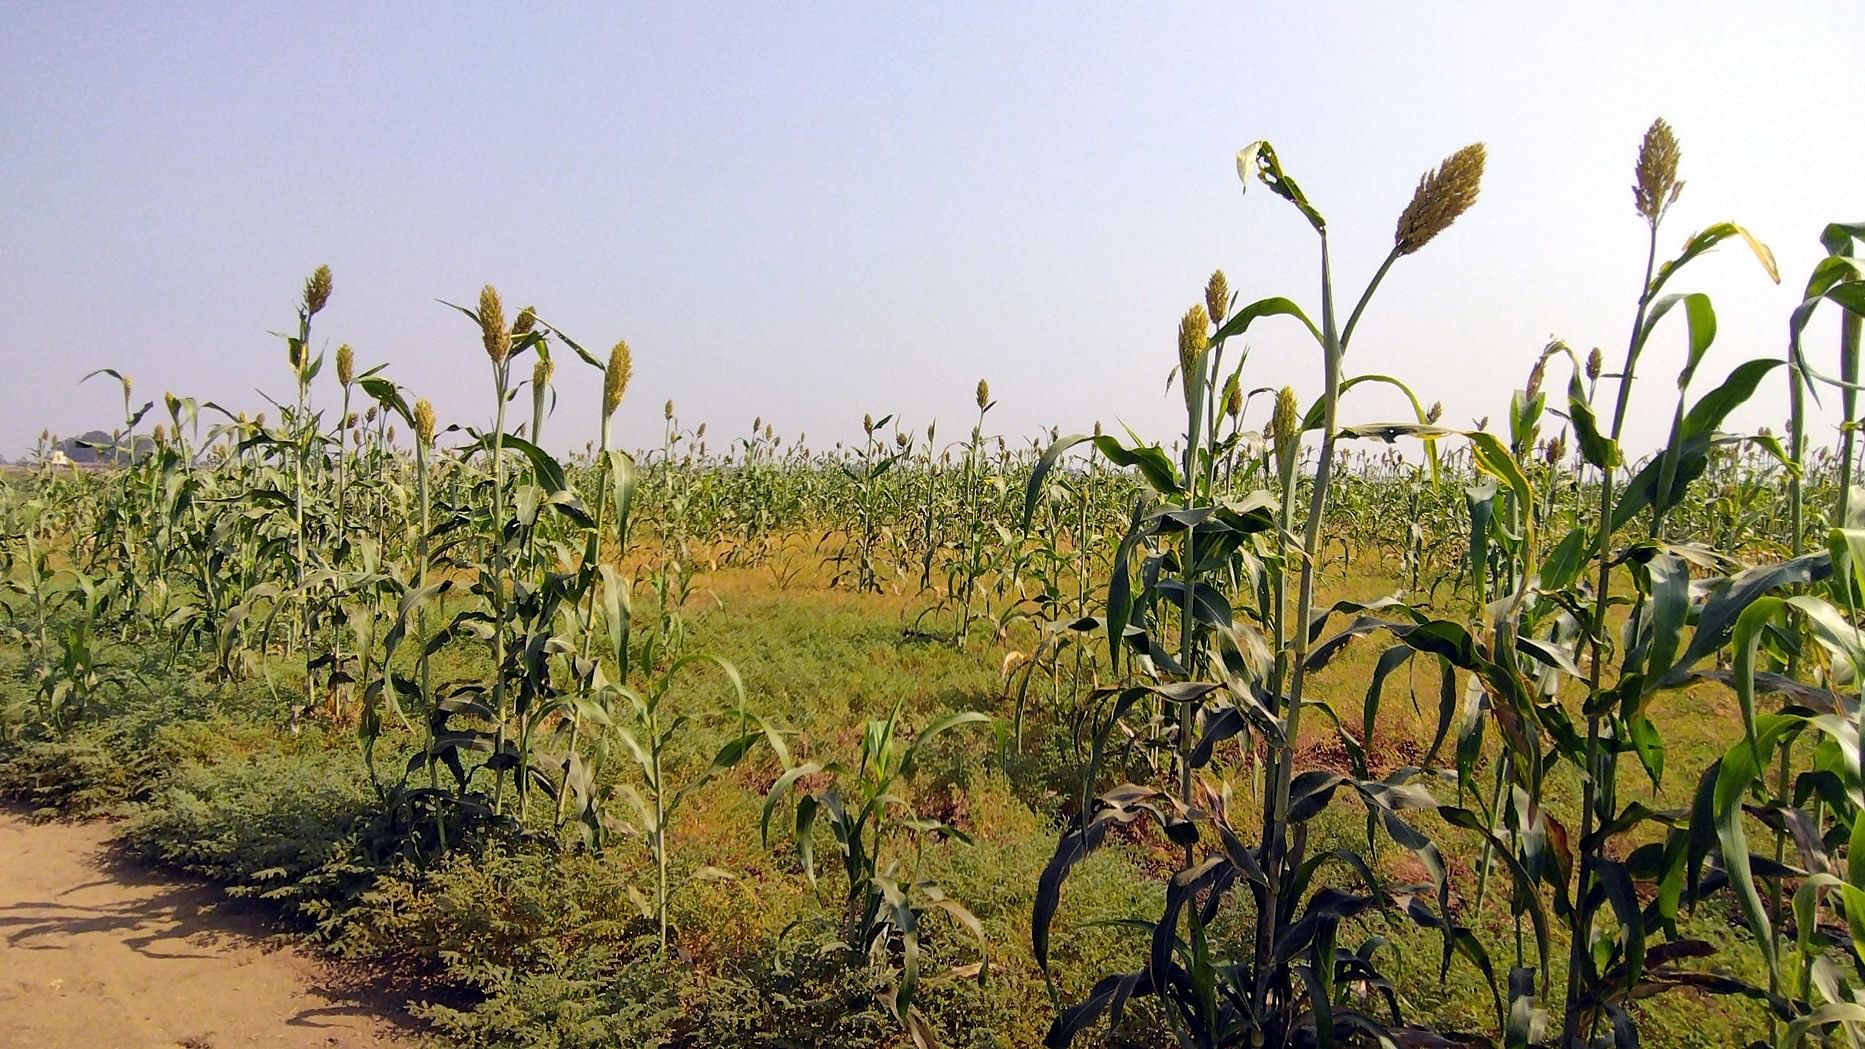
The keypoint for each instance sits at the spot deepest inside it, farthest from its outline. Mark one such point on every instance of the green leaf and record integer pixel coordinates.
(1705, 240)
(547, 471)
(621, 487)
(1494, 458)
(1595, 447)
(776, 794)
(936, 729)
(1746, 640)
(1670, 604)
(1274, 306)
(1707, 415)
(1257, 161)
(388, 395)
(1032, 492)
(1690, 452)
(1741, 767)
(1563, 564)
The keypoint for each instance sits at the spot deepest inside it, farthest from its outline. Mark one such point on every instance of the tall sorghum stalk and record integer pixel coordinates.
(615, 376)
(1797, 543)
(35, 571)
(974, 513)
(1849, 324)
(929, 510)
(1212, 995)
(1442, 195)
(497, 340)
(423, 448)
(541, 373)
(346, 377)
(1657, 187)
(871, 455)
(1285, 427)
(1084, 552)
(316, 297)
(1195, 366)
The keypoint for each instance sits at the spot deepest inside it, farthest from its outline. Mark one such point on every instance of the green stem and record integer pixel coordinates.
(1598, 763)
(592, 557)
(500, 371)
(422, 669)
(1849, 372)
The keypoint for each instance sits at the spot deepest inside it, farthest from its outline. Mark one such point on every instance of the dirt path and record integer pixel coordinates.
(97, 953)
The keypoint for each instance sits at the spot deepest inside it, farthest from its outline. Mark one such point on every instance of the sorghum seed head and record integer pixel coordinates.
(317, 290)
(867, 423)
(1436, 413)
(1657, 185)
(542, 371)
(900, 440)
(497, 337)
(1556, 449)
(1097, 427)
(615, 377)
(1285, 425)
(667, 410)
(346, 364)
(1217, 296)
(984, 394)
(1194, 340)
(701, 432)
(527, 319)
(370, 415)
(1233, 402)
(1535, 376)
(1595, 363)
(160, 434)
(424, 422)
(260, 420)
(1442, 195)
(350, 419)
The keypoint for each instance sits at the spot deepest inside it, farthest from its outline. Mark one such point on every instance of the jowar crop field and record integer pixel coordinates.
(1279, 730)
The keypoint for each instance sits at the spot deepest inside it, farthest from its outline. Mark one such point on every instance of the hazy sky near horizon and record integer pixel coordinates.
(808, 212)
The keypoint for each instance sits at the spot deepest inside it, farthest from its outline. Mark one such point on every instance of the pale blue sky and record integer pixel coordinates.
(808, 212)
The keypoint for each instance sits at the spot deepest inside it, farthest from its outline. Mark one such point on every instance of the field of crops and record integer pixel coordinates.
(1281, 730)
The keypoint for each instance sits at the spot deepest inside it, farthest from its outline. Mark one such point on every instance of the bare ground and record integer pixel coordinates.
(96, 952)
